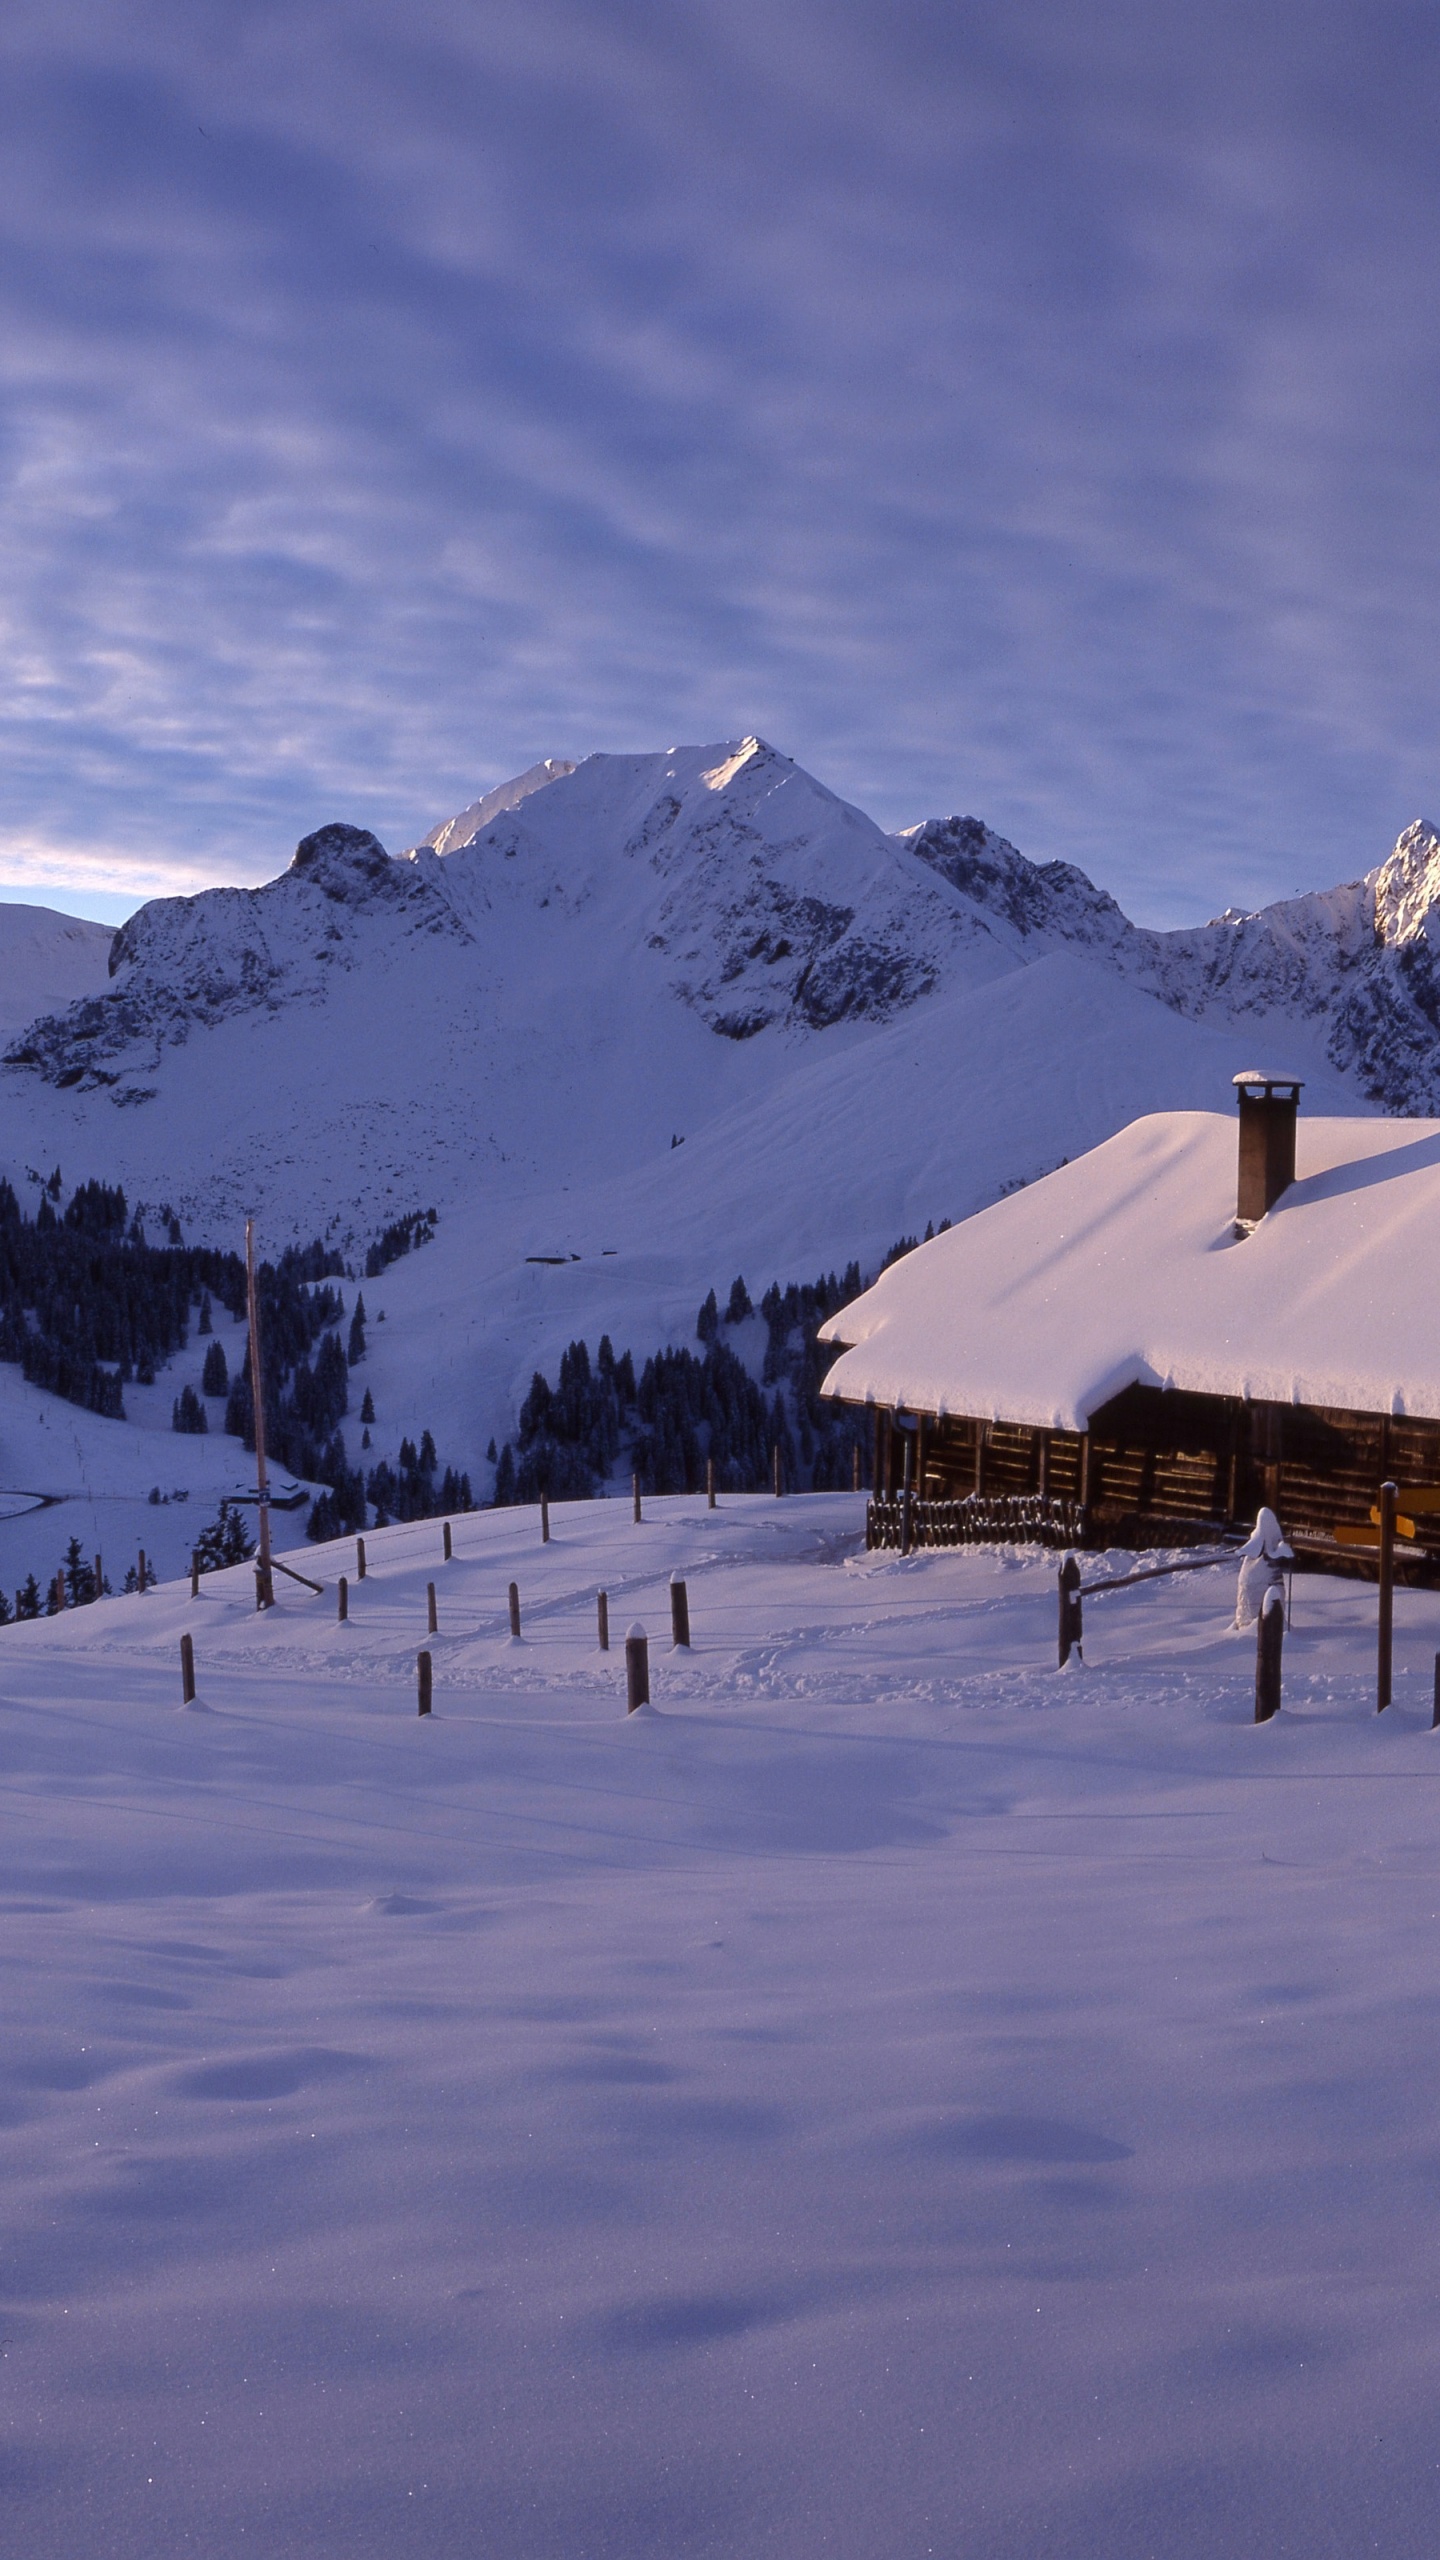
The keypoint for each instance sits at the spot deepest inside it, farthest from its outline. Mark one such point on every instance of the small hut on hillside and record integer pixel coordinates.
(1139, 1350)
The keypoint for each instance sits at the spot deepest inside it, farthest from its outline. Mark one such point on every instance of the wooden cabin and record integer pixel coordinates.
(1146, 1345)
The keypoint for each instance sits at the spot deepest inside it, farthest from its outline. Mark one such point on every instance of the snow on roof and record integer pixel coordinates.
(1124, 1268)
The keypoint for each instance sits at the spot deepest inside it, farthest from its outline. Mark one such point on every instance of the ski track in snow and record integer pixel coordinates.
(889, 2096)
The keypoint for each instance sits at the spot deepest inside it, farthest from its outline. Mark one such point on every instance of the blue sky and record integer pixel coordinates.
(1011, 409)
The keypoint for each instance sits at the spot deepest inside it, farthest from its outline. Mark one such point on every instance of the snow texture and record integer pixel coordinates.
(47, 962)
(1125, 1268)
(892, 2096)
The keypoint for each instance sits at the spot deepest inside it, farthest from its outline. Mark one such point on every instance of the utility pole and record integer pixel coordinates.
(264, 1578)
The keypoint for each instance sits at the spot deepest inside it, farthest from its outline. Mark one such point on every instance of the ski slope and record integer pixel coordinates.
(892, 2096)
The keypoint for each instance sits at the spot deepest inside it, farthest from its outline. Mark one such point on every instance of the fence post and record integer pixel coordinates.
(1435, 1719)
(422, 1666)
(187, 1670)
(342, 1610)
(544, 1520)
(1072, 1612)
(359, 1559)
(431, 1620)
(515, 1611)
(710, 1484)
(1269, 1642)
(449, 1550)
(679, 1614)
(1384, 1649)
(637, 1668)
(144, 1571)
(779, 1488)
(905, 1502)
(194, 1577)
(635, 1490)
(602, 1618)
(99, 1578)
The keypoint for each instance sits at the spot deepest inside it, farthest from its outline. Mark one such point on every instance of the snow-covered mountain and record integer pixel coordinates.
(46, 962)
(658, 1017)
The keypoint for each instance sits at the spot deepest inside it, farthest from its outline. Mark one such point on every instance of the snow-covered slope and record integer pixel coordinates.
(47, 961)
(675, 1015)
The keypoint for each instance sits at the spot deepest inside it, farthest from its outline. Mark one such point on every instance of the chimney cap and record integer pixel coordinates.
(1266, 1076)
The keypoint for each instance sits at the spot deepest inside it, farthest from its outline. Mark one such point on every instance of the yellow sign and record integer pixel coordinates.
(1403, 1528)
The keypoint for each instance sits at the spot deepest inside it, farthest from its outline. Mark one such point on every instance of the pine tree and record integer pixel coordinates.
(207, 1322)
(79, 1575)
(187, 1412)
(505, 1478)
(707, 1323)
(367, 1410)
(6, 1612)
(739, 1306)
(216, 1376)
(357, 1333)
(27, 1598)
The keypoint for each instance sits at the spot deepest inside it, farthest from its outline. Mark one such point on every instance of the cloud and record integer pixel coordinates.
(1005, 409)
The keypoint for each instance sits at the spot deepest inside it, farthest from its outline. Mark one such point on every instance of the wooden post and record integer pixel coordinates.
(1072, 1612)
(1084, 1470)
(141, 1577)
(431, 1620)
(919, 1457)
(422, 1665)
(544, 1520)
(778, 1487)
(1435, 1718)
(187, 1670)
(679, 1614)
(637, 1668)
(449, 1550)
(1385, 1645)
(1269, 1643)
(905, 1502)
(709, 1484)
(194, 1578)
(515, 1611)
(359, 1559)
(635, 1490)
(1042, 1465)
(57, 1593)
(979, 1458)
(99, 1577)
(264, 1577)
(602, 1619)
(342, 1608)
(855, 1468)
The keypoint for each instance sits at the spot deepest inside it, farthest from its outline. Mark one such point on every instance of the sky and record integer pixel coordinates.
(1009, 409)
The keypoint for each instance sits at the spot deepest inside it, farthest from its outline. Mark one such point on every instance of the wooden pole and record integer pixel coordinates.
(265, 1580)
(1072, 1612)
(187, 1670)
(422, 1666)
(1435, 1718)
(637, 1668)
(359, 1559)
(194, 1576)
(679, 1614)
(342, 1606)
(544, 1520)
(1385, 1645)
(635, 1490)
(99, 1576)
(142, 1575)
(1269, 1644)
(602, 1619)
(855, 1468)
(431, 1619)
(515, 1611)
(449, 1550)
(905, 1502)
(778, 1486)
(710, 1484)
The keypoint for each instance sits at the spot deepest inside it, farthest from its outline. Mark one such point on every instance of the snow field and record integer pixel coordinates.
(892, 2096)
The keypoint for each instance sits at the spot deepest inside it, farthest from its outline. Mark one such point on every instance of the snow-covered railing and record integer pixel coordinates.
(979, 1520)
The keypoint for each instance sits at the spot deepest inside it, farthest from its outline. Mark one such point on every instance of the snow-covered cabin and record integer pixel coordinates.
(1141, 1336)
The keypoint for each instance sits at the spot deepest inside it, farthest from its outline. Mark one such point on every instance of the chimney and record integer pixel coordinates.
(1268, 1105)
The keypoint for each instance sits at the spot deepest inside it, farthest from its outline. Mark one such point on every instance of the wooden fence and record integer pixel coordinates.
(980, 1520)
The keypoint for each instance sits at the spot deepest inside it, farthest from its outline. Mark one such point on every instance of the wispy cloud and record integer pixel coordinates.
(1015, 409)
